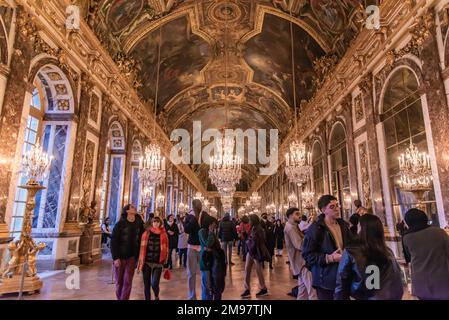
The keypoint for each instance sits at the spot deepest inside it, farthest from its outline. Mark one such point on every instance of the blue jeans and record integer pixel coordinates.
(206, 285)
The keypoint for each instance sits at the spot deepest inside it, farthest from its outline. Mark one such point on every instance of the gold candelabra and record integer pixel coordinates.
(16, 278)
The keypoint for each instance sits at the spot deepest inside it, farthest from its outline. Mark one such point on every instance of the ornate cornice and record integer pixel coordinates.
(83, 49)
(400, 18)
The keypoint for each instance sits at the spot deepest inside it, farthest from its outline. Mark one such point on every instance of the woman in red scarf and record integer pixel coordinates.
(153, 256)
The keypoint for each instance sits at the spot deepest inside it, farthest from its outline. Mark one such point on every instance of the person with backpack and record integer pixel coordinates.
(257, 254)
(212, 261)
(293, 242)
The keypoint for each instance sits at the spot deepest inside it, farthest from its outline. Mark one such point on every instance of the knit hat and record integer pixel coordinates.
(416, 219)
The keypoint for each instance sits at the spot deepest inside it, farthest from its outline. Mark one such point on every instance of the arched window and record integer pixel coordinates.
(318, 171)
(52, 94)
(403, 122)
(113, 175)
(135, 184)
(339, 168)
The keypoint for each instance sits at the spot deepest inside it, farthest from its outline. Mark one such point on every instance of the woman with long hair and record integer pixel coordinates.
(279, 236)
(125, 243)
(153, 256)
(182, 243)
(365, 259)
(173, 234)
(257, 254)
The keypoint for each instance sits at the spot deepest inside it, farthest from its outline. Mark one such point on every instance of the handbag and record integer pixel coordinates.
(167, 274)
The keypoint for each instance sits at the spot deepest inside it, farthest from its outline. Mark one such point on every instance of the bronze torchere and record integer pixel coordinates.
(23, 251)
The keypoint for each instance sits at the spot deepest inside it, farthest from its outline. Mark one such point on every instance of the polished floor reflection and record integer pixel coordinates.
(96, 284)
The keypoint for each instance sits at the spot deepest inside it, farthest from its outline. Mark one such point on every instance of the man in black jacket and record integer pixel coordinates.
(323, 246)
(125, 246)
(227, 233)
(194, 221)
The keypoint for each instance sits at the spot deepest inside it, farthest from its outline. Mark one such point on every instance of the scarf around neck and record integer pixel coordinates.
(144, 243)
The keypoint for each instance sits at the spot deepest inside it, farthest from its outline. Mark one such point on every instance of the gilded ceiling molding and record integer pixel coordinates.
(85, 50)
(191, 11)
(369, 45)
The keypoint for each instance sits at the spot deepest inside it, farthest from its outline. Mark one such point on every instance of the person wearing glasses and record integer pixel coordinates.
(323, 246)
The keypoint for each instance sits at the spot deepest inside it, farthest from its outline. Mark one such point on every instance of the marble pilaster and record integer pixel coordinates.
(372, 118)
(347, 114)
(433, 87)
(102, 149)
(13, 103)
(75, 186)
(4, 74)
(128, 164)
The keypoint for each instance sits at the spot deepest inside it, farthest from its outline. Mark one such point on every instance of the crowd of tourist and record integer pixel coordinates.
(331, 258)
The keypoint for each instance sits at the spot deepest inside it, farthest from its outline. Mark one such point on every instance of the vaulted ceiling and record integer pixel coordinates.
(254, 35)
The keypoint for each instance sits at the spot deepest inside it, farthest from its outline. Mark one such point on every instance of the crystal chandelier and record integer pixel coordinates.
(255, 199)
(271, 208)
(152, 167)
(35, 163)
(292, 199)
(307, 199)
(198, 196)
(415, 170)
(225, 167)
(206, 203)
(183, 208)
(160, 200)
(298, 166)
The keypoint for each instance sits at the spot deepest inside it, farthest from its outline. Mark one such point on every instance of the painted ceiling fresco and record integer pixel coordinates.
(269, 55)
(183, 56)
(195, 46)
